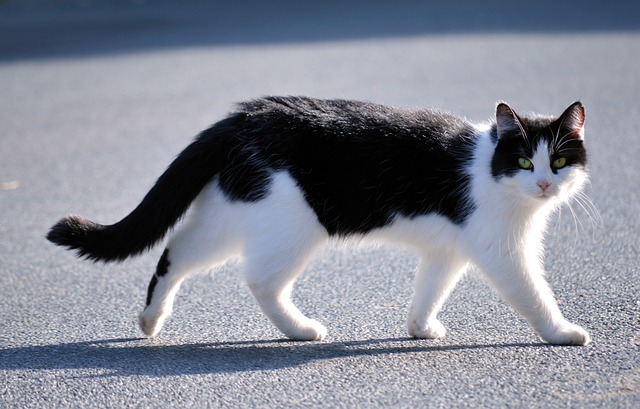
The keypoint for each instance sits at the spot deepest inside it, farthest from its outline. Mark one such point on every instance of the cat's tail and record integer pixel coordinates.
(160, 209)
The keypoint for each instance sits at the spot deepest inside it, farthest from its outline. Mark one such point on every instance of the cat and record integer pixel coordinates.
(280, 176)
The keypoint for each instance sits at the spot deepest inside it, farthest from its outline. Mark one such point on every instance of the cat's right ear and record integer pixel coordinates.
(507, 121)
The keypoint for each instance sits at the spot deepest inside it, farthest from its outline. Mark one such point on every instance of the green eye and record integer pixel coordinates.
(524, 163)
(560, 162)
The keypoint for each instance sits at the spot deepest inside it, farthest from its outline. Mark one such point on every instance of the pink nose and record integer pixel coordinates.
(544, 185)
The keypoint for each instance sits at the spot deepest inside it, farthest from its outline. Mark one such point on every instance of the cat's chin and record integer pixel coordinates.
(542, 197)
(534, 202)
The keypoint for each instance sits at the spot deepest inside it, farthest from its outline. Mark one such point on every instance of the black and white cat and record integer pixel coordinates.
(281, 176)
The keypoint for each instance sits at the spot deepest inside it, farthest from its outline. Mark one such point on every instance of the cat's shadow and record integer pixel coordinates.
(136, 356)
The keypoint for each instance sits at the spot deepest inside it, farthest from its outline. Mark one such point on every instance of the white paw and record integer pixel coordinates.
(150, 324)
(566, 334)
(433, 330)
(312, 330)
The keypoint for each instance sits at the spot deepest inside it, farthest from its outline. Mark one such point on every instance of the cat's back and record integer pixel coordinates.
(353, 119)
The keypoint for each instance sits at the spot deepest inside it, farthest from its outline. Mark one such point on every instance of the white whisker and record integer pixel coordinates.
(563, 141)
(589, 209)
(576, 220)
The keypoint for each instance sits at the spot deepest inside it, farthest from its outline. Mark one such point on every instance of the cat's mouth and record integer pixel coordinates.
(544, 195)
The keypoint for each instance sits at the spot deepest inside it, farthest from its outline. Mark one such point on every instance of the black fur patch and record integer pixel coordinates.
(163, 264)
(152, 286)
(358, 164)
(161, 270)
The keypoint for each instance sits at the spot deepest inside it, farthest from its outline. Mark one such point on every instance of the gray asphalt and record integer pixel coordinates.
(96, 98)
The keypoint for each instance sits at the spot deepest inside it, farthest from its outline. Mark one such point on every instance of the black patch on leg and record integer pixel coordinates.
(152, 285)
(161, 270)
(163, 264)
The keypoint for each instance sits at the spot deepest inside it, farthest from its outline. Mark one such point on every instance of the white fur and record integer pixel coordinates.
(277, 236)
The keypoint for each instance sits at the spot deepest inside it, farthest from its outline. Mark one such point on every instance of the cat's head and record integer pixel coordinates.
(540, 158)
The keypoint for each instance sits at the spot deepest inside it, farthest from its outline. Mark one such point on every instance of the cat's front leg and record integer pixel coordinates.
(434, 282)
(565, 333)
(521, 283)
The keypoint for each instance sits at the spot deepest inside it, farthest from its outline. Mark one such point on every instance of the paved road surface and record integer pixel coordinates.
(96, 98)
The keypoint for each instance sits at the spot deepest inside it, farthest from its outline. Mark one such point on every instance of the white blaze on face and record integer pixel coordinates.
(542, 181)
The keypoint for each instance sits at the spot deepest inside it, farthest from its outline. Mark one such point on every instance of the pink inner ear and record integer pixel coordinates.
(575, 130)
(578, 133)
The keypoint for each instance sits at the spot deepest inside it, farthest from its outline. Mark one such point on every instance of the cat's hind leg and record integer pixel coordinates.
(171, 271)
(434, 282)
(204, 241)
(160, 295)
(273, 293)
(271, 277)
(285, 234)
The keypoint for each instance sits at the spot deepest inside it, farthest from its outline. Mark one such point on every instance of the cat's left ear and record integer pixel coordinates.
(571, 121)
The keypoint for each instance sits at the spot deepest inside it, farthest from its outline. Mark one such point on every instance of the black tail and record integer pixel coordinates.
(160, 209)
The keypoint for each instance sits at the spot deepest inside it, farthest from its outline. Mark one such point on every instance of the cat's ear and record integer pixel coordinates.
(571, 121)
(507, 121)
